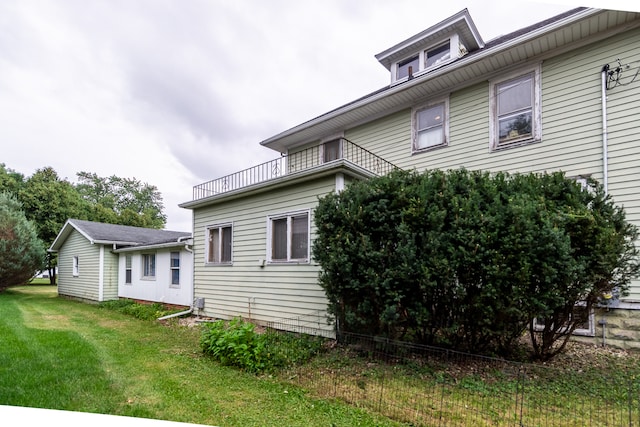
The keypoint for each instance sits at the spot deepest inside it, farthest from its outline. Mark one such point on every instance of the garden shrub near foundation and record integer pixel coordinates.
(468, 259)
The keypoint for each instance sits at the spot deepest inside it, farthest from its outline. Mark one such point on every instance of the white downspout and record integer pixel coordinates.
(605, 150)
(605, 168)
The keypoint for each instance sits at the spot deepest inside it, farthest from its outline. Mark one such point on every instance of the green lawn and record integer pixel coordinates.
(61, 354)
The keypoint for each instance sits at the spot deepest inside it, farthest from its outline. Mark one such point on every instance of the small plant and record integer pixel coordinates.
(139, 311)
(234, 343)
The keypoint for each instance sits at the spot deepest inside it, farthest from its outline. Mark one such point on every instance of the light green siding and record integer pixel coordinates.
(89, 284)
(85, 284)
(246, 288)
(571, 126)
(110, 275)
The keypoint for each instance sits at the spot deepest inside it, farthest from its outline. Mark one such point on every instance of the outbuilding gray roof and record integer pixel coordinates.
(119, 235)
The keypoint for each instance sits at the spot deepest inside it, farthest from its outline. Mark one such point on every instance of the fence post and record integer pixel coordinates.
(520, 396)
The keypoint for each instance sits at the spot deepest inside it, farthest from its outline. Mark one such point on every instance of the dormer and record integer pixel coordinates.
(438, 45)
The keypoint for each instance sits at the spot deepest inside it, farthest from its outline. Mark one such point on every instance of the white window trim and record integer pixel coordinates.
(172, 268)
(587, 332)
(206, 243)
(130, 268)
(155, 266)
(414, 125)
(537, 109)
(75, 266)
(288, 215)
(454, 53)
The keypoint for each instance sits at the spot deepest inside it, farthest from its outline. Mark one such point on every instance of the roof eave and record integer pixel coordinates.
(317, 127)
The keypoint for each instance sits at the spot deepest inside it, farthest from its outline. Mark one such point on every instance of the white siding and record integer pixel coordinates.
(160, 289)
(247, 288)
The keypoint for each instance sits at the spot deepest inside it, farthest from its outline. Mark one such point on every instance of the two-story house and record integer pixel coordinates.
(563, 94)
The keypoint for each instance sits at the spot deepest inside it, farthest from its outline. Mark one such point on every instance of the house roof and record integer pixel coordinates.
(569, 30)
(118, 235)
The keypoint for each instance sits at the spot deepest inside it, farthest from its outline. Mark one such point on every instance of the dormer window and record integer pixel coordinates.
(438, 55)
(404, 66)
(426, 59)
(431, 49)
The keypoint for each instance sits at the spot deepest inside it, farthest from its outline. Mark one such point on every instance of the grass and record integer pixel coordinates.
(101, 360)
(62, 354)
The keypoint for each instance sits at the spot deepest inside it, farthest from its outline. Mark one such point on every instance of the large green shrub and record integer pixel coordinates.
(468, 259)
(22, 253)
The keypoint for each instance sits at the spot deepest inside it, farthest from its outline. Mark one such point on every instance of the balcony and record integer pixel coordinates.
(339, 150)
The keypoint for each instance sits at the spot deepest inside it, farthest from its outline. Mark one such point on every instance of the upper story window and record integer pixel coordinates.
(332, 150)
(406, 64)
(427, 58)
(219, 244)
(288, 237)
(515, 110)
(437, 55)
(430, 126)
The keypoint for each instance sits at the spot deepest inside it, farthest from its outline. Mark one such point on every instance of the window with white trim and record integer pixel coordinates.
(441, 52)
(437, 55)
(76, 266)
(127, 269)
(585, 321)
(174, 267)
(515, 110)
(148, 266)
(430, 126)
(288, 237)
(407, 67)
(219, 244)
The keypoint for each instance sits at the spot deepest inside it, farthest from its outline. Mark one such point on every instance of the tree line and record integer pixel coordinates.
(34, 208)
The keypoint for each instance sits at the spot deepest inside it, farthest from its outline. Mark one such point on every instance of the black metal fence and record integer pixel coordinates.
(335, 151)
(427, 386)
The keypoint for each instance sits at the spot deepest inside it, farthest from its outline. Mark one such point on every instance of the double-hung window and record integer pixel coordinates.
(148, 266)
(430, 126)
(219, 244)
(288, 237)
(515, 110)
(174, 266)
(127, 269)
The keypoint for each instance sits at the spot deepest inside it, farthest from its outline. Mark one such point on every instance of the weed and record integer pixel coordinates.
(139, 311)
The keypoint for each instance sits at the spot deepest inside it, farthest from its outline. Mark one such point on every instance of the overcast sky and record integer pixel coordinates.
(178, 92)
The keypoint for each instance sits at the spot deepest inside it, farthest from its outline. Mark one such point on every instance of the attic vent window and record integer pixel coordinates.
(403, 67)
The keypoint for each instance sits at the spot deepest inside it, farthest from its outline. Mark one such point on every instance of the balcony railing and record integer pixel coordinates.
(339, 149)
